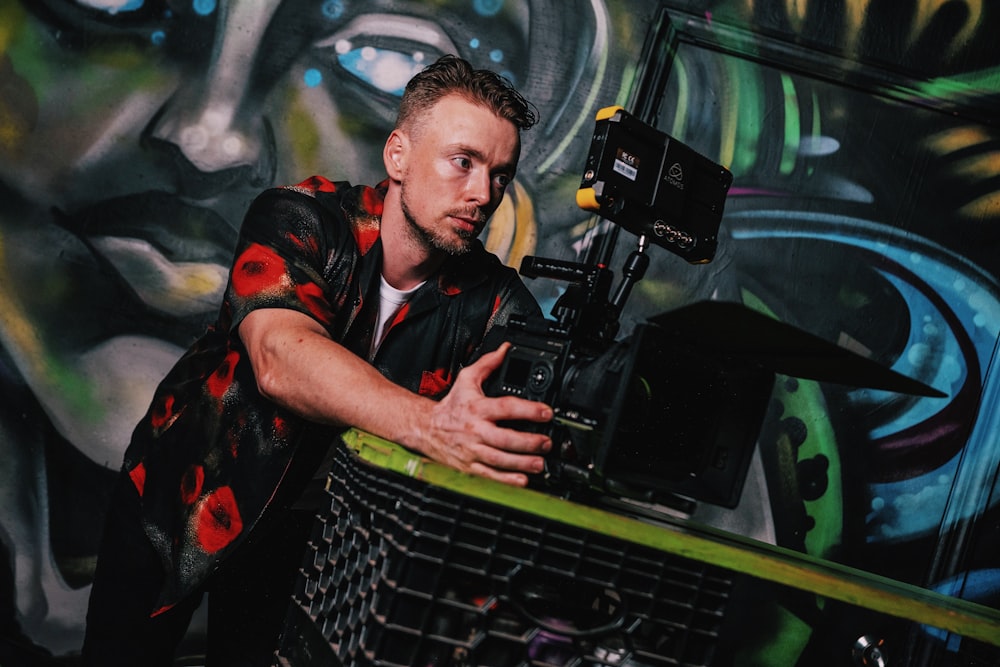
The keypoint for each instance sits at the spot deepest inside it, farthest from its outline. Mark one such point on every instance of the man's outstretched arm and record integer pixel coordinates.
(298, 366)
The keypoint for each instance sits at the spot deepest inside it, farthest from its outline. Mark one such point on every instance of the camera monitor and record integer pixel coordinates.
(654, 186)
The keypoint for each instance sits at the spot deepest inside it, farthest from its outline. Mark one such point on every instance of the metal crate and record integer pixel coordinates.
(402, 572)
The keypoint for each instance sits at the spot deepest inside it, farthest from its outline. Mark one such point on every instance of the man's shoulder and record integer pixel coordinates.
(359, 207)
(368, 198)
(317, 184)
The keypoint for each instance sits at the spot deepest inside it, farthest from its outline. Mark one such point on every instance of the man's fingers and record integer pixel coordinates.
(511, 478)
(512, 408)
(485, 365)
(522, 455)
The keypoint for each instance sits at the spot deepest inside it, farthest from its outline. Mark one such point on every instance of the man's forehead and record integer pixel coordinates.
(459, 105)
(459, 122)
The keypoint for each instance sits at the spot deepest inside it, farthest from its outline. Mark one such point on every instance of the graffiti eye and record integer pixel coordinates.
(384, 51)
(380, 68)
(124, 7)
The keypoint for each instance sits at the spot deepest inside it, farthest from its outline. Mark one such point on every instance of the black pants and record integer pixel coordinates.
(248, 597)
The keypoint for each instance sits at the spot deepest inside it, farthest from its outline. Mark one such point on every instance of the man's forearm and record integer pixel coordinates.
(299, 367)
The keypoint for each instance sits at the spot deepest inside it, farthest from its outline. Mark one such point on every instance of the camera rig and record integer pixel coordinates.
(626, 421)
(669, 414)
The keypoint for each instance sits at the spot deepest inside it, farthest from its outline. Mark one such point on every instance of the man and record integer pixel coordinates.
(345, 306)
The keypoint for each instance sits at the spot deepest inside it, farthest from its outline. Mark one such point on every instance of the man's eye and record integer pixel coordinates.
(463, 162)
(502, 180)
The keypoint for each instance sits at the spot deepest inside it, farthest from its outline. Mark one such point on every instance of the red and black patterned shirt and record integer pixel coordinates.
(211, 452)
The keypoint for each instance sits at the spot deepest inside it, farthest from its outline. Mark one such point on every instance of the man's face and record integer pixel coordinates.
(459, 159)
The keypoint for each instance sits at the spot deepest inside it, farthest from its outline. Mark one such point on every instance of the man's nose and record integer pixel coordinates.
(205, 128)
(480, 187)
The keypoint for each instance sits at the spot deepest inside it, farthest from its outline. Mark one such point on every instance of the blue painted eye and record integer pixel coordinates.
(387, 70)
(82, 22)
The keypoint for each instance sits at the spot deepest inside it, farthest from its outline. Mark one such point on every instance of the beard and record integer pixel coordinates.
(443, 239)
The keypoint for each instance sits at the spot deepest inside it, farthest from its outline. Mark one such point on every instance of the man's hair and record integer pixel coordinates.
(451, 75)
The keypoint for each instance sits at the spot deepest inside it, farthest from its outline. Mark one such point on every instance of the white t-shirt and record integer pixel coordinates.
(390, 300)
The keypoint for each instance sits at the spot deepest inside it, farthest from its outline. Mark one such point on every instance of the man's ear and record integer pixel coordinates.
(394, 154)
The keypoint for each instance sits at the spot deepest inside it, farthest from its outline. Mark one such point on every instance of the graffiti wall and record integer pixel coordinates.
(864, 209)
(862, 138)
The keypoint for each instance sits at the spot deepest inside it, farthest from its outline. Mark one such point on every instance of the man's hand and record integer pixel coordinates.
(464, 431)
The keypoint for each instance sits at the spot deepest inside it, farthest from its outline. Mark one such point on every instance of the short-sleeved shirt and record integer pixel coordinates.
(211, 452)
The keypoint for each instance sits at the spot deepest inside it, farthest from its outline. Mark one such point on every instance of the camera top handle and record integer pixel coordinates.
(584, 308)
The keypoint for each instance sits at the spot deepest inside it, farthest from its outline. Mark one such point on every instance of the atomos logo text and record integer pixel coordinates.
(675, 176)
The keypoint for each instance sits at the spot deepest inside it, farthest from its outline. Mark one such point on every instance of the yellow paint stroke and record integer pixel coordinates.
(21, 338)
(854, 18)
(987, 206)
(513, 231)
(15, 326)
(981, 166)
(956, 139)
(796, 11)
(926, 9)
(11, 16)
(305, 134)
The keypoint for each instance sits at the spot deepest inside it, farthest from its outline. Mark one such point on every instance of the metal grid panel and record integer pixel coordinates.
(400, 572)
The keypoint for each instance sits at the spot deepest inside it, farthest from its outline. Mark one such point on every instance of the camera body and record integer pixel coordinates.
(536, 362)
(546, 356)
(546, 363)
(656, 416)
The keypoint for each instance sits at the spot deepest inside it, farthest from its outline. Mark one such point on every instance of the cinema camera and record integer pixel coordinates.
(670, 414)
(650, 416)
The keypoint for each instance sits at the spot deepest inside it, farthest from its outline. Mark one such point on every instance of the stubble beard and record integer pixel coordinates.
(450, 241)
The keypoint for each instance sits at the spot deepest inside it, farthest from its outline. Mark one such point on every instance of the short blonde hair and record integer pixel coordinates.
(451, 75)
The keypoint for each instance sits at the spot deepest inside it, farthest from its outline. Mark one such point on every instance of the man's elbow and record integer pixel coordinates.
(269, 384)
(269, 370)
